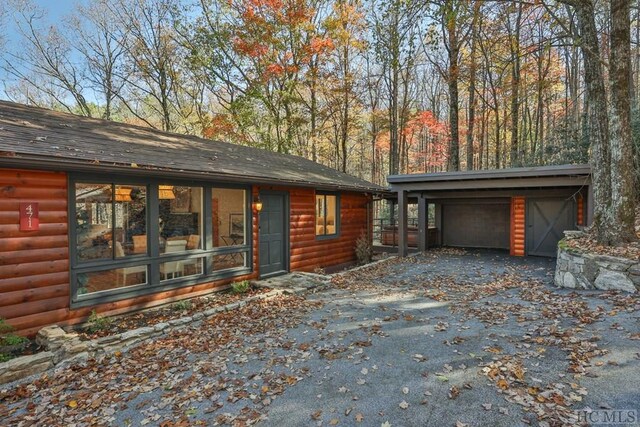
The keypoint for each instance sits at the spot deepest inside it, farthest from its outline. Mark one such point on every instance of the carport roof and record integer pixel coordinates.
(528, 177)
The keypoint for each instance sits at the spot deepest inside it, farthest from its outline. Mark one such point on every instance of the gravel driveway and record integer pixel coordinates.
(449, 337)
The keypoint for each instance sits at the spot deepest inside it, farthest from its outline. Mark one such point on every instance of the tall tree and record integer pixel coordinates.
(100, 42)
(609, 123)
(471, 116)
(395, 31)
(152, 69)
(514, 47)
(43, 61)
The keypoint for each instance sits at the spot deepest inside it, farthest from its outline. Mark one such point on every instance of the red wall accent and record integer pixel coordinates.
(517, 225)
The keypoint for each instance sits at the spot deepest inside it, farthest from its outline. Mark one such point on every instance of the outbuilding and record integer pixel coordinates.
(522, 210)
(105, 216)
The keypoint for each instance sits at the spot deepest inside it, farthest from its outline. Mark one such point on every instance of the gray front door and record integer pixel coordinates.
(547, 219)
(273, 234)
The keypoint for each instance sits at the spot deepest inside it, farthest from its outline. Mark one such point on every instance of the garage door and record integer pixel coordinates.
(547, 219)
(476, 225)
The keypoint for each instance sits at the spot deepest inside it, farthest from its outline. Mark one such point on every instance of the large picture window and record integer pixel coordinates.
(133, 238)
(327, 215)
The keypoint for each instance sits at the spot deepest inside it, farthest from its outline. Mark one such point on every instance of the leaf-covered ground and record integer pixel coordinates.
(446, 338)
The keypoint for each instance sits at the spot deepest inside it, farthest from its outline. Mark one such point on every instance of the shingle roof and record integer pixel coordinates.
(36, 136)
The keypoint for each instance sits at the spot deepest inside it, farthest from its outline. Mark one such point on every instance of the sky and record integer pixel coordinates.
(55, 11)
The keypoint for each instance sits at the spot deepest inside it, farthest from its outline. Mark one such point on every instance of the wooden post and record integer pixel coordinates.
(403, 247)
(438, 211)
(423, 224)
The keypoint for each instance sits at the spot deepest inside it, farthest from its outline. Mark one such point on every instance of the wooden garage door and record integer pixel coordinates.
(476, 225)
(547, 219)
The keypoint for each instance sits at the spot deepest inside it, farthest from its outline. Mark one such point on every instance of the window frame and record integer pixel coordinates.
(338, 214)
(153, 258)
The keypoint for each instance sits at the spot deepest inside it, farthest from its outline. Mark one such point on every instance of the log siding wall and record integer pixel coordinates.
(518, 226)
(307, 252)
(34, 266)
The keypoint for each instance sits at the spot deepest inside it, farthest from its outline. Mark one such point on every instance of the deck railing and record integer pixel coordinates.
(379, 224)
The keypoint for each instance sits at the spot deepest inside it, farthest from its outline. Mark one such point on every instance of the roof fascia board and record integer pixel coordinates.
(493, 174)
(568, 181)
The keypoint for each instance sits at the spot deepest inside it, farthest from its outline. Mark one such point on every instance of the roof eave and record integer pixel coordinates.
(70, 165)
(532, 172)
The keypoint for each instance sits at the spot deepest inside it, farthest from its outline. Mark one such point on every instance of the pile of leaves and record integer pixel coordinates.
(179, 379)
(126, 322)
(586, 242)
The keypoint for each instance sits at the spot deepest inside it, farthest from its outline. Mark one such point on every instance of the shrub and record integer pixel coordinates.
(5, 327)
(183, 305)
(12, 339)
(97, 323)
(10, 342)
(240, 287)
(364, 250)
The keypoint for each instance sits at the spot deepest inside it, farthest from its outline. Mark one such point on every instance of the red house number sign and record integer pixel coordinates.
(29, 216)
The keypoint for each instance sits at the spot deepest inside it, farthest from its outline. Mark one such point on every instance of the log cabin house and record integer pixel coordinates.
(114, 217)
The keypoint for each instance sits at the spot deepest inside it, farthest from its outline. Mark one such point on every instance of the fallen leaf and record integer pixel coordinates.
(403, 405)
(359, 417)
(487, 406)
(454, 392)
(503, 384)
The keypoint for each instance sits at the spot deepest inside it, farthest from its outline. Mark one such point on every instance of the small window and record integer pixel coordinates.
(327, 215)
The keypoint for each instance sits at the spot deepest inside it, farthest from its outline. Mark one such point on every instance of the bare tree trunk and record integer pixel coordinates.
(621, 228)
(515, 87)
(453, 50)
(472, 86)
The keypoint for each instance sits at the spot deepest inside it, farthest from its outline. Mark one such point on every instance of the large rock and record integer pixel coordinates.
(24, 366)
(614, 280)
(568, 281)
(51, 337)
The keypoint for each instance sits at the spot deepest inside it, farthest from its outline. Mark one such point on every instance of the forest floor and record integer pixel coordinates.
(447, 338)
(586, 242)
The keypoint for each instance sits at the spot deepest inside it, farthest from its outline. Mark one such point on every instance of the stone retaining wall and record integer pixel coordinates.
(64, 348)
(592, 271)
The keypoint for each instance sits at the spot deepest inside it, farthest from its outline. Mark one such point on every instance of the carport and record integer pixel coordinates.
(522, 210)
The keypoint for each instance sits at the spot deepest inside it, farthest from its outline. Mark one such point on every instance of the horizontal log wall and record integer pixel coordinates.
(306, 251)
(34, 265)
(580, 210)
(517, 226)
